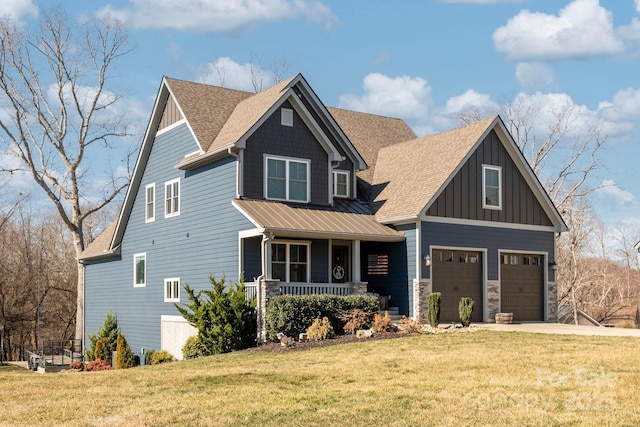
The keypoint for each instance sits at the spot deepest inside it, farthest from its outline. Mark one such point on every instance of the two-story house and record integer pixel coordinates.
(299, 198)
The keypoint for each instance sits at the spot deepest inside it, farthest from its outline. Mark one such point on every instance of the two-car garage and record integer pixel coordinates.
(459, 273)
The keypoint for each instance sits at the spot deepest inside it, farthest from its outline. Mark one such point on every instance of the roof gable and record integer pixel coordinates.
(410, 176)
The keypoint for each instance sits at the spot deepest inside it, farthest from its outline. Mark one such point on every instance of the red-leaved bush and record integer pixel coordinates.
(77, 365)
(97, 365)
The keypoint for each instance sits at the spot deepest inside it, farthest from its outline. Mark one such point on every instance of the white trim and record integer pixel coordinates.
(172, 125)
(288, 243)
(171, 298)
(254, 232)
(495, 224)
(498, 169)
(419, 256)
(177, 211)
(334, 175)
(194, 153)
(545, 273)
(287, 179)
(151, 218)
(172, 318)
(485, 271)
(140, 285)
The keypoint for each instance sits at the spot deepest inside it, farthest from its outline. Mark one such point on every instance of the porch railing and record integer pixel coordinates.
(307, 289)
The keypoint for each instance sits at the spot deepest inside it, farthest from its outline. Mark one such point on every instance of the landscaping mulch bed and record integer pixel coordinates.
(340, 339)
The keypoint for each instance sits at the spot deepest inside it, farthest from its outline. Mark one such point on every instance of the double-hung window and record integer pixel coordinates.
(139, 270)
(491, 187)
(290, 262)
(172, 290)
(341, 183)
(150, 202)
(172, 198)
(287, 179)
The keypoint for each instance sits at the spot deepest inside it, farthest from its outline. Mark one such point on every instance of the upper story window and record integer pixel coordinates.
(341, 183)
(491, 187)
(286, 117)
(172, 290)
(150, 202)
(139, 270)
(172, 198)
(290, 262)
(287, 179)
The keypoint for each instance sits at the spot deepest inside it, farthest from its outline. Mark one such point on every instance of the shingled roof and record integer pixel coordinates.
(100, 247)
(206, 107)
(409, 174)
(369, 133)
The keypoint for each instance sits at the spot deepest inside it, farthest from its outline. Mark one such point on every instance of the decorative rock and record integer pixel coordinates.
(364, 333)
(303, 337)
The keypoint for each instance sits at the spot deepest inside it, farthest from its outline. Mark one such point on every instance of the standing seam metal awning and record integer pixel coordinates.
(286, 220)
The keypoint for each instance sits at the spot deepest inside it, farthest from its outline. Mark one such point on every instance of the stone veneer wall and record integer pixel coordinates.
(493, 300)
(421, 288)
(552, 306)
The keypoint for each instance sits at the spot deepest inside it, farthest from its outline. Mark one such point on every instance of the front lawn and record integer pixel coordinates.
(479, 378)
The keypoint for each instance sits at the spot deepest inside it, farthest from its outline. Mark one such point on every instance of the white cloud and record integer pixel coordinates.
(17, 9)
(470, 100)
(225, 72)
(631, 31)
(638, 6)
(624, 106)
(218, 15)
(481, 1)
(534, 75)
(581, 29)
(614, 194)
(404, 97)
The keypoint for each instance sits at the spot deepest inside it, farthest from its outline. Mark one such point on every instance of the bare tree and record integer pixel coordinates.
(58, 111)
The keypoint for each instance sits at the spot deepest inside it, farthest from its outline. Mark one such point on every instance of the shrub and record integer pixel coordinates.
(191, 349)
(382, 323)
(109, 333)
(409, 325)
(77, 365)
(97, 365)
(124, 356)
(148, 355)
(225, 320)
(465, 310)
(354, 319)
(293, 314)
(101, 351)
(433, 308)
(162, 356)
(320, 330)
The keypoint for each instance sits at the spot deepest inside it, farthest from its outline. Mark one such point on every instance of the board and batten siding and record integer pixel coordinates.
(202, 240)
(295, 141)
(490, 238)
(462, 198)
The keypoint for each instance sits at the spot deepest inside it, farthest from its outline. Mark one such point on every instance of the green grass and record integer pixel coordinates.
(480, 378)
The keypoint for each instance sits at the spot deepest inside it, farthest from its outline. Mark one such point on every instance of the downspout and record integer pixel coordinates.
(237, 157)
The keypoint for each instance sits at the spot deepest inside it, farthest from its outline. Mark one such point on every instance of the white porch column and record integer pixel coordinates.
(355, 262)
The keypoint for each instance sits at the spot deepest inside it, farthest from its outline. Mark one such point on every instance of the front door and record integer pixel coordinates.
(340, 264)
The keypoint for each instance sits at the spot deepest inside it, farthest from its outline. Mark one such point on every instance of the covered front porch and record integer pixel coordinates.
(298, 250)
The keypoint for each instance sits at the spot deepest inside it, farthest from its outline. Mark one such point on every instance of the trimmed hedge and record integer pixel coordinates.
(293, 314)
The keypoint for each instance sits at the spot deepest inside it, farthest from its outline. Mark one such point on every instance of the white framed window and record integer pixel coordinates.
(139, 270)
(341, 183)
(290, 261)
(172, 290)
(491, 187)
(172, 198)
(287, 179)
(150, 202)
(286, 117)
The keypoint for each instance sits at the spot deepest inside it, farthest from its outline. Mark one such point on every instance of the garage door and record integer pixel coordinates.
(522, 286)
(457, 274)
(174, 333)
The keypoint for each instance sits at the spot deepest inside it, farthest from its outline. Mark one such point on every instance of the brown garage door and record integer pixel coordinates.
(457, 274)
(521, 286)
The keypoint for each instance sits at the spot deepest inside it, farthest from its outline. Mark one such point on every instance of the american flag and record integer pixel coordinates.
(378, 265)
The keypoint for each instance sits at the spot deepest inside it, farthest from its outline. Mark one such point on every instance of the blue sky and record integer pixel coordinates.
(425, 61)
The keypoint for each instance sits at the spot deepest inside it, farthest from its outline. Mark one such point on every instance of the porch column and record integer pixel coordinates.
(355, 262)
(421, 288)
(267, 288)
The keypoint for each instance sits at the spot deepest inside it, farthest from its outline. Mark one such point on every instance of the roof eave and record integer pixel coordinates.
(196, 162)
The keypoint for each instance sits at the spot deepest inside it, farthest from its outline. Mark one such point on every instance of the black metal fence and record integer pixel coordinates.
(55, 353)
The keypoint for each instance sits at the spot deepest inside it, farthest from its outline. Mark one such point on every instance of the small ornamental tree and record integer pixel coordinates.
(101, 351)
(225, 320)
(124, 355)
(465, 310)
(109, 334)
(433, 308)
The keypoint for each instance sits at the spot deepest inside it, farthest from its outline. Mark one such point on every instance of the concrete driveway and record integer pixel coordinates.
(560, 328)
